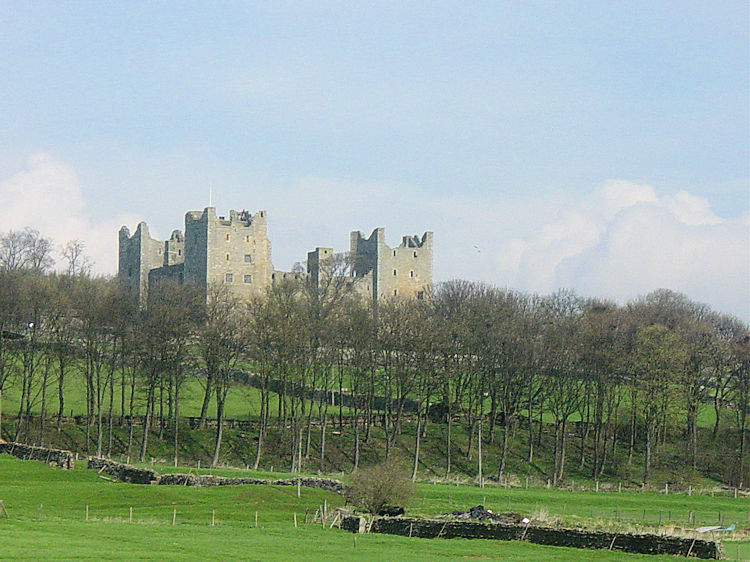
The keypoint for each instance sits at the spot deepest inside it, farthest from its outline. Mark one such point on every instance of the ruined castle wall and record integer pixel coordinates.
(235, 252)
(167, 274)
(406, 270)
(196, 238)
(318, 264)
(138, 255)
(364, 256)
(403, 271)
(174, 249)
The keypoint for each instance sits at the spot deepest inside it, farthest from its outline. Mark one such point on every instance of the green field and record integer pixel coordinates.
(243, 401)
(47, 519)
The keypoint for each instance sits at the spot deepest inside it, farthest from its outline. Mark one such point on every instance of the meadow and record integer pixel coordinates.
(47, 508)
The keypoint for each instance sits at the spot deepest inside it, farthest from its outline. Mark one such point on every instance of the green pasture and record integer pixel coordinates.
(243, 401)
(46, 519)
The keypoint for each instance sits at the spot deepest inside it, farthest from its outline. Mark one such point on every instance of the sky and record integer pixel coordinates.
(600, 146)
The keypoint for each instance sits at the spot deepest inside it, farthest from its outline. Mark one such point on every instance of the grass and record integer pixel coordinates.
(58, 529)
(584, 508)
(243, 402)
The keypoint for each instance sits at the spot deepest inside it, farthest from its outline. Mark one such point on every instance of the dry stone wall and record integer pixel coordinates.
(123, 472)
(576, 538)
(53, 457)
(209, 480)
(134, 475)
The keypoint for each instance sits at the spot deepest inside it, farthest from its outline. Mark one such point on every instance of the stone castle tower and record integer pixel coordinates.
(402, 271)
(235, 251)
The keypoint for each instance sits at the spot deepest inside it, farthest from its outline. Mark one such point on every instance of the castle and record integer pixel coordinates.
(235, 251)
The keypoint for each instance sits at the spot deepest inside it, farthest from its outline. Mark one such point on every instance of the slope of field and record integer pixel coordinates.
(47, 519)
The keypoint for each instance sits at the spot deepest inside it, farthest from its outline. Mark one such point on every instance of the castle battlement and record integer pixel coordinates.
(235, 251)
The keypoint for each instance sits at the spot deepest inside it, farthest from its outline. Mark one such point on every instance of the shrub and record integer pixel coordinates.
(379, 487)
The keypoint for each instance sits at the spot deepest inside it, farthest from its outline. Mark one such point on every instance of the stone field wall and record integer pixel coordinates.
(54, 457)
(576, 538)
(133, 475)
(123, 472)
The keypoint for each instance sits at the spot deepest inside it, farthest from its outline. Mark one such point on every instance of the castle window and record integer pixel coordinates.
(179, 252)
(248, 278)
(273, 276)
(395, 272)
(227, 257)
(227, 237)
(395, 292)
(228, 278)
(394, 253)
(415, 254)
(248, 258)
(411, 274)
(247, 239)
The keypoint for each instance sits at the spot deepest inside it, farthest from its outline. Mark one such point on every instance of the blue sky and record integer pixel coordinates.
(597, 145)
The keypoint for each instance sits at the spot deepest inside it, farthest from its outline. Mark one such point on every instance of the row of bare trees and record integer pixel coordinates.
(582, 382)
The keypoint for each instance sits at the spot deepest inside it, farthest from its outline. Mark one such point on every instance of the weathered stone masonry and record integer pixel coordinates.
(575, 538)
(54, 457)
(135, 475)
(236, 252)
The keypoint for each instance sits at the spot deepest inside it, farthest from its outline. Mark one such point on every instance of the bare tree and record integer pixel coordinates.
(222, 339)
(74, 253)
(25, 249)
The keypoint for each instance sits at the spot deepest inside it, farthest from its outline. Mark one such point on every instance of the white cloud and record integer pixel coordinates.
(46, 195)
(625, 240)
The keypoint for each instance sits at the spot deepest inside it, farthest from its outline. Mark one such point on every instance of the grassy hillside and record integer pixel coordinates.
(46, 519)
(239, 447)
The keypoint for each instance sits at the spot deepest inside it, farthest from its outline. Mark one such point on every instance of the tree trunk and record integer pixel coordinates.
(530, 457)
(176, 422)
(322, 443)
(448, 444)
(264, 417)
(43, 411)
(562, 453)
(131, 408)
(417, 436)
(631, 444)
(146, 423)
(717, 414)
(110, 413)
(479, 454)
(219, 425)
(60, 393)
(584, 437)
(206, 401)
(356, 440)
(99, 413)
(647, 458)
(504, 451)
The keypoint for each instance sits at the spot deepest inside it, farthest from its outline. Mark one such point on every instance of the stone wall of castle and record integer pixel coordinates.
(402, 271)
(139, 255)
(235, 251)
